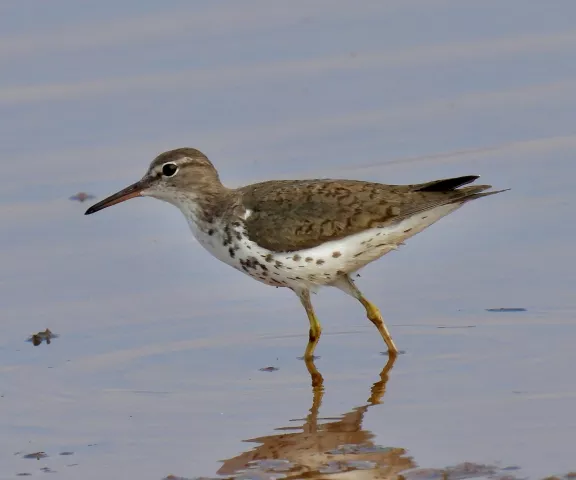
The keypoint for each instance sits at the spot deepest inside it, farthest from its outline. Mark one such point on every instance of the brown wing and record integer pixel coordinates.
(291, 215)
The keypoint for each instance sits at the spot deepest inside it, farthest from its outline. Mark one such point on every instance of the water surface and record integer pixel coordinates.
(156, 367)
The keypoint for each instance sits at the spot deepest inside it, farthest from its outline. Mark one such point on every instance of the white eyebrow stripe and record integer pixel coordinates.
(179, 161)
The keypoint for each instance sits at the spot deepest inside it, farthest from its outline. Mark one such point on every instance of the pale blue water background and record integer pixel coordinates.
(160, 345)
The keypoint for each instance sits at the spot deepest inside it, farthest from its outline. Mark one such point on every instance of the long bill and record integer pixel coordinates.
(134, 190)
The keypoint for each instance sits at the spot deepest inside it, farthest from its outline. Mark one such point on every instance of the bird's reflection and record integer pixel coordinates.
(321, 446)
(339, 448)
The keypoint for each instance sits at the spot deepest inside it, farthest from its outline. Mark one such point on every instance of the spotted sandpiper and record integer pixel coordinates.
(299, 234)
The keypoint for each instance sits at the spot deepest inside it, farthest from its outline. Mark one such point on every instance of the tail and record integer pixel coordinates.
(471, 193)
(446, 184)
(452, 184)
(445, 192)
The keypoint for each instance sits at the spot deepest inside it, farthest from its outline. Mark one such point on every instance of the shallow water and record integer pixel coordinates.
(166, 362)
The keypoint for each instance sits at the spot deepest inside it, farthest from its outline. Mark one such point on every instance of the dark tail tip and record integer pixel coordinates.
(447, 184)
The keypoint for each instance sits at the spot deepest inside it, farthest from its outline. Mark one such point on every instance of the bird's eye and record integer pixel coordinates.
(169, 169)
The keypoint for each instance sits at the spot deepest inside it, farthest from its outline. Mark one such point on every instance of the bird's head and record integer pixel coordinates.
(174, 176)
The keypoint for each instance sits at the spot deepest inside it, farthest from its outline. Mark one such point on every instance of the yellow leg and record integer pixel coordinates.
(347, 285)
(375, 317)
(315, 327)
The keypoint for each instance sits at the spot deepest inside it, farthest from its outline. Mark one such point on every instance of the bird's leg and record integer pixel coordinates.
(346, 284)
(315, 327)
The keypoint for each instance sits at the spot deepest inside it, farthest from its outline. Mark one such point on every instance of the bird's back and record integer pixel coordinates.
(289, 215)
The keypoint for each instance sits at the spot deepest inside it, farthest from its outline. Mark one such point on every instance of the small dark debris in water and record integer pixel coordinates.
(505, 309)
(45, 336)
(268, 369)
(35, 455)
(511, 467)
(23, 474)
(82, 197)
(173, 477)
(47, 470)
(66, 453)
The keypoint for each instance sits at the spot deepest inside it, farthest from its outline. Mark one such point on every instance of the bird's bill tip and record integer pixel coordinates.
(134, 190)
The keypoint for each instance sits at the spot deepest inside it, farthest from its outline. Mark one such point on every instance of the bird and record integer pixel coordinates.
(299, 234)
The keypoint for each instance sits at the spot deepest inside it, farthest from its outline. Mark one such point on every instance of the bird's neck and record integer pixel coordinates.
(204, 206)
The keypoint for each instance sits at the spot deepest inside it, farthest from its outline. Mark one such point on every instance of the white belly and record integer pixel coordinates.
(315, 266)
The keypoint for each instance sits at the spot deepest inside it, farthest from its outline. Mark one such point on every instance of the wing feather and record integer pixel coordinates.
(291, 215)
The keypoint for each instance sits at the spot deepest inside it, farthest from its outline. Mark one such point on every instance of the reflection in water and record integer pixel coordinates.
(339, 448)
(322, 446)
